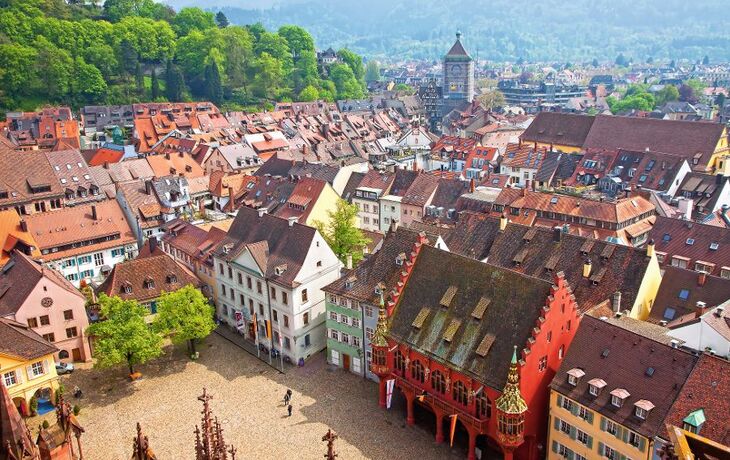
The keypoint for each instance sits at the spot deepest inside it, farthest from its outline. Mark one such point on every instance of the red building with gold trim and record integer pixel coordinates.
(468, 339)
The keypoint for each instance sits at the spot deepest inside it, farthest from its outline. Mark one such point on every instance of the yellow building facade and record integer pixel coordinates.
(26, 378)
(577, 433)
(649, 287)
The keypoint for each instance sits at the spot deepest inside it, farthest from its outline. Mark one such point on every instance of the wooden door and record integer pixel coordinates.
(76, 353)
(346, 361)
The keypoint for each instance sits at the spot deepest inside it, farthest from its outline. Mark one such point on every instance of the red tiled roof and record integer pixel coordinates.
(106, 155)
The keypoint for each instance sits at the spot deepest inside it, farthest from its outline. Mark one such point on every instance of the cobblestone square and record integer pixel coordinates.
(248, 400)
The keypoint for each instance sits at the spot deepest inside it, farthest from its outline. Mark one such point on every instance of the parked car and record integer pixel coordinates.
(64, 368)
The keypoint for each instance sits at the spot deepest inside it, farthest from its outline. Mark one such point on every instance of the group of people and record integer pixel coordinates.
(287, 401)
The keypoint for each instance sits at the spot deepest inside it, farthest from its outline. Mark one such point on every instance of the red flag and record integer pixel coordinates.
(453, 429)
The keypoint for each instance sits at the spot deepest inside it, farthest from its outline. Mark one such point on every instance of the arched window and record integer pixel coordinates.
(379, 356)
(417, 371)
(63, 354)
(484, 406)
(459, 393)
(438, 383)
(400, 362)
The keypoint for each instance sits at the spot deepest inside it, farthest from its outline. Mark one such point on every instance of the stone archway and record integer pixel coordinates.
(22, 405)
(46, 399)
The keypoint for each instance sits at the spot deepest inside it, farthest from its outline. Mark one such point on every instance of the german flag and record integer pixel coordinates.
(453, 429)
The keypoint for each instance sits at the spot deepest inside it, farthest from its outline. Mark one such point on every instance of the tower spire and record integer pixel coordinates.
(379, 337)
(511, 408)
(511, 400)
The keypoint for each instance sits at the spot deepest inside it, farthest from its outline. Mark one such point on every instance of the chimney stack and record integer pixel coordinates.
(106, 165)
(472, 186)
(587, 268)
(557, 234)
(503, 222)
(292, 221)
(148, 187)
(23, 225)
(701, 278)
(94, 214)
(153, 244)
(650, 248)
(701, 309)
(616, 304)
(262, 211)
(348, 263)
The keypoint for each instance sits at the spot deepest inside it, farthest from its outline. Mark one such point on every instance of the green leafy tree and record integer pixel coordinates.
(354, 62)
(185, 315)
(269, 79)
(309, 94)
(403, 88)
(372, 71)
(127, 57)
(103, 57)
(139, 78)
(297, 39)
(491, 99)
(88, 83)
(257, 30)
(155, 86)
(341, 233)
(667, 94)
(221, 20)
(116, 10)
(54, 68)
(189, 19)
(123, 336)
(348, 87)
(152, 40)
(18, 69)
(621, 61)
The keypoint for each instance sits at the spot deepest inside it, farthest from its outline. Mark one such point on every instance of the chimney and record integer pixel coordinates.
(472, 185)
(348, 263)
(627, 191)
(616, 302)
(23, 225)
(685, 206)
(527, 187)
(587, 268)
(106, 165)
(148, 187)
(557, 234)
(262, 211)
(701, 309)
(701, 278)
(94, 214)
(503, 222)
(153, 244)
(524, 191)
(292, 221)
(650, 248)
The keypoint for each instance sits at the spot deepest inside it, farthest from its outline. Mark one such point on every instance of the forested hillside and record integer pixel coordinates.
(506, 29)
(140, 50)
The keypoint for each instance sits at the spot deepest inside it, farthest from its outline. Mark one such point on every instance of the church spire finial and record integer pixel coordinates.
(458, 35)
(379, 337)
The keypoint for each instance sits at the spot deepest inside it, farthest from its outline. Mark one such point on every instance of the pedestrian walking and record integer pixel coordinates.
(286, 398)
(289, 408)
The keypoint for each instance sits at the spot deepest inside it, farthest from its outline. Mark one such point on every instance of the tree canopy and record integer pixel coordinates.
(342, 234)
(123, 336)
(80, 54)
(185, 315)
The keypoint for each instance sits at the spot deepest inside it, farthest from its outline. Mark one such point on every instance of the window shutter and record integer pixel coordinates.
(572, 432)
(45, 366)
(560, 400)
(29, 370)
(556, 424)
(642, 444)
(555, 446)
(622, 457)
(590, 417)
(624, 434)
(574, 409)
(600, 448)
(571, 455)
(590, 442)
(603, 423)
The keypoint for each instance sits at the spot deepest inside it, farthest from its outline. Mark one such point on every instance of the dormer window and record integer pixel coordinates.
(400, 258)
(149, 283)
(595, 386)
(618, 396)
(171, 278)
(127, 288)
(642, 408)
(574, 376)
(694, 421)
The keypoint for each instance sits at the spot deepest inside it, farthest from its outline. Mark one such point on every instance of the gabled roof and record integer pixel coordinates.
(680, 291)
(147, 278)
(21, 341)
(11, 234)
(450, 334)
(457, 49)
(559, 129)
(288, 244)
(20, 276)
(706, 389)
(420, 190)
(600, 350)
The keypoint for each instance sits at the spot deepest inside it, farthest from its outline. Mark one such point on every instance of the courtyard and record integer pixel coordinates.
(248, 401)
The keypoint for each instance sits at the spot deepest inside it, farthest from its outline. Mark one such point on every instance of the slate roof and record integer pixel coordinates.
(352, 183)
(707, 388)
(515, 303)
(600, 349)
(381, 267)
(20, 276)
(287, 245)
(275, 166)
(19, 340)
(166, 276)
(402, 181)
(672, 236)
(420, 190)
(558, 128)
(23, 170)
(704, 189)
(680, 291)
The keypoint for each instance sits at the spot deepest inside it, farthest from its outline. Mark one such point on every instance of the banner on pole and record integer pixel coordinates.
(389, 385)
(453, 429)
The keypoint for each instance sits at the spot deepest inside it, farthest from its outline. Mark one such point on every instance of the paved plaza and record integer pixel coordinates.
(248, 401)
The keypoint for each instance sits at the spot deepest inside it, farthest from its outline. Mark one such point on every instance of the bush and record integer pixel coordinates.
(33, 406)
(45, 424)
(77, 409)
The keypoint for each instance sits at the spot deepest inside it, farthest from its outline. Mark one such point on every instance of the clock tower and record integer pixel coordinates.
(458, 75)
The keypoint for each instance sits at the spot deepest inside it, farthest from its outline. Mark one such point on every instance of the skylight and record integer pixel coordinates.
(714, 246)
(684, 294)
(669, 313)
(666, 237)
(690, 241)
(554, 200)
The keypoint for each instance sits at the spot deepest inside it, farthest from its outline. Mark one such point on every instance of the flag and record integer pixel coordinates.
(453, 429)
(393, 349)
(278, 326)
(255, 329)
(268, 328)
(481, 388)
(389, 385)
